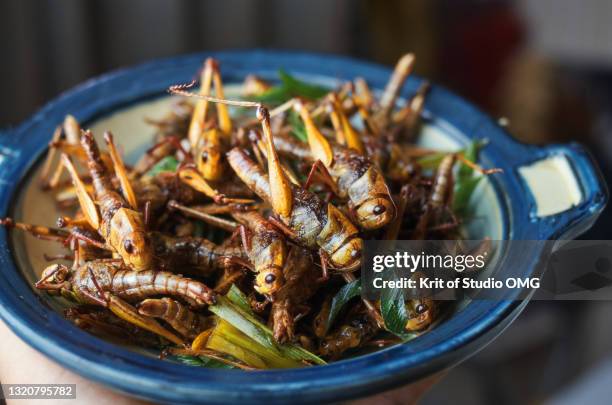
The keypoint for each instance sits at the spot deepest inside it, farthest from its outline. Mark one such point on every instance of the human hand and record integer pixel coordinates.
(406, 395)
(20, 364)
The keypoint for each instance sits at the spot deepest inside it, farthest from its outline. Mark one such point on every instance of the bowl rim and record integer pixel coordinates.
(138, 375)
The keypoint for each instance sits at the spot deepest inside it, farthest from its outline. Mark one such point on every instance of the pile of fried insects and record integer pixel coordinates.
(236, 240)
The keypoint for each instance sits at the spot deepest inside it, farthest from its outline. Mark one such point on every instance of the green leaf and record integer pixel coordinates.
(463, 193)
(251, 326)
(431, 161)
(471, 154)
(190, 360)
(288, 88)
(274, 95)
(296, 352)
(227, 339)
(201, 361)
(467, 180)
(167, 164)
(243, 321)
(237, 297)
(393, 311)
(343, 296)
(297, 126)
(302, 89)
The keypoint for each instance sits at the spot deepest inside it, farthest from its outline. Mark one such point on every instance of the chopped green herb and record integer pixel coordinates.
(237, 297)
(227, 339)
(167, 164)
(297, 126)
(243, 321)
(251, 326)
(201, 361)
(291, 87)
(275, 95)
(463, 193)
(393, 311)
(466, 181)
(300, 88)
(433, 160)
(471, 154)
(342, 297)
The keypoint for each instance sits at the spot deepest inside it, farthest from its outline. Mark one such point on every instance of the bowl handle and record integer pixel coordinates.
(567, 190)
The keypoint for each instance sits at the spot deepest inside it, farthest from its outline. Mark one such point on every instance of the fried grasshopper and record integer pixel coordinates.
(301, 214)
(115, 215)
(110, 285)
(209, 140)
(263, 245)
(187, 323)
(307, 219)
(351, 175)
(358, 329)
(290, 302)
(194, 255)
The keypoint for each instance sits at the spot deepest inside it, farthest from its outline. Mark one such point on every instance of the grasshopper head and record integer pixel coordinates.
(209, 156)
(129, 238)
(422, 317)
(269, 280)
(348, 256)
(375, 213)
(55, 278)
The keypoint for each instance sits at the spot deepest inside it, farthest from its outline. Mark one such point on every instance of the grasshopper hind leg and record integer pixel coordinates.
(319, 170)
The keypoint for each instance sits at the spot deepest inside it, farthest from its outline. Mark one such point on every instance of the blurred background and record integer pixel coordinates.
(545, 65)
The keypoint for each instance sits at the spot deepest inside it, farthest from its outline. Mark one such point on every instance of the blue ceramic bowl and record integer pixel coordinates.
(520, 216)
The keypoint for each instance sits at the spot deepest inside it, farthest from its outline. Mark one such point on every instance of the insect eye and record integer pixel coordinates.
(204, 156)
(270, 278)
(128, 246)
(379, 209)
(421, 308)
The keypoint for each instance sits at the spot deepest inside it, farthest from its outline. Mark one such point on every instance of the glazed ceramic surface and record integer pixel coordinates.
(515, 205)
